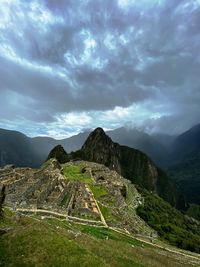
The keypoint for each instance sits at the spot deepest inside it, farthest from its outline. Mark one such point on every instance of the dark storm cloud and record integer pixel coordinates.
(59, 57)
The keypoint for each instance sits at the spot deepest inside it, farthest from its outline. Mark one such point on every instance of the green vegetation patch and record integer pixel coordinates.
(74, 172)
(107, 213)
(98, 191)
(170, 224)
(35, 242)
(105, 233)
(194, 211)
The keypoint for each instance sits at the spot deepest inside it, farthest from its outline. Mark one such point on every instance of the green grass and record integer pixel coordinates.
(32, 242)
(98, 191)
(74, 172)
(105, 233)
(170, 224)
(107, 213)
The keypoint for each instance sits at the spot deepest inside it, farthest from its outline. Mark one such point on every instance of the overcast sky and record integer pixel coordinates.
(70, 65)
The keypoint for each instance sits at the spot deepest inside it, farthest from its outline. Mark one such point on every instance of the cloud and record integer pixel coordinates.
(90, 63)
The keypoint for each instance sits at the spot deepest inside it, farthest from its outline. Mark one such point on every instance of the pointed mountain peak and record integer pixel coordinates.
(96, 138)
(58, 153)
(98, 131)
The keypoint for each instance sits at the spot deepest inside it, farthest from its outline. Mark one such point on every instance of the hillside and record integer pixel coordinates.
(68, 244)
(86, 215)
(16, 148)
(23, 151)
(171, 224)
(142, 141)
(185, 164)
(130, 163)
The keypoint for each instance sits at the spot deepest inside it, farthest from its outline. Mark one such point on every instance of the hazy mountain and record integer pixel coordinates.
(185, 164)
(186, 145)
(20, 150)
(43, 145)
(148, 144)
(16, 148)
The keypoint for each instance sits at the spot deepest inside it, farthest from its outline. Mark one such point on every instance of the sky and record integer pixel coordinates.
(71, 65)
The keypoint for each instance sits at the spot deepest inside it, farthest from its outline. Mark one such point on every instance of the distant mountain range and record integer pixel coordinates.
(178, 155)
(20, 150)
(16, 148)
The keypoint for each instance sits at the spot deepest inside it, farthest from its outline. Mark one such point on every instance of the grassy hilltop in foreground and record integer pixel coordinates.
(36, 241)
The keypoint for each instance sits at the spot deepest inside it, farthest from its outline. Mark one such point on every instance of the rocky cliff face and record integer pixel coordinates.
(100, 148)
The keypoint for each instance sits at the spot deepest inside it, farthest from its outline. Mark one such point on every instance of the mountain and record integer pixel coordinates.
(59, 154)
(186, 145)
(148, 144)
(179, 156)
(23, 151)
(17, 149)
(130, 163)
(39, 147)
(185, 164)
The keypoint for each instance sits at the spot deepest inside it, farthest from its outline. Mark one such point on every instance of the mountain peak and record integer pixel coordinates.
(98, 131)
(97, 137)
(58, 153)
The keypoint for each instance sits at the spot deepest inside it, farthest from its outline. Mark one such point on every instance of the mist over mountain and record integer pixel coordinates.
(142, 141)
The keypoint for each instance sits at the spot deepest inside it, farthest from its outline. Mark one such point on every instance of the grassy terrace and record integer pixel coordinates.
(32, 242)
(74, 172)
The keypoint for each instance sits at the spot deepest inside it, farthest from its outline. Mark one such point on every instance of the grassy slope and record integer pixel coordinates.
(50, 242)
(171, 225)
(74, 172)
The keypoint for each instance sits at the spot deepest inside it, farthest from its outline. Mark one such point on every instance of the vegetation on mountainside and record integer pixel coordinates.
(32, 242)
(194, 211)
(186, 175)
(171, 225)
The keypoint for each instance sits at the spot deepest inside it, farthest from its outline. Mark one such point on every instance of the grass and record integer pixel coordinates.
(107, 213)
(105, 233)
(98, 191)
(32, 242)
(74, 172)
